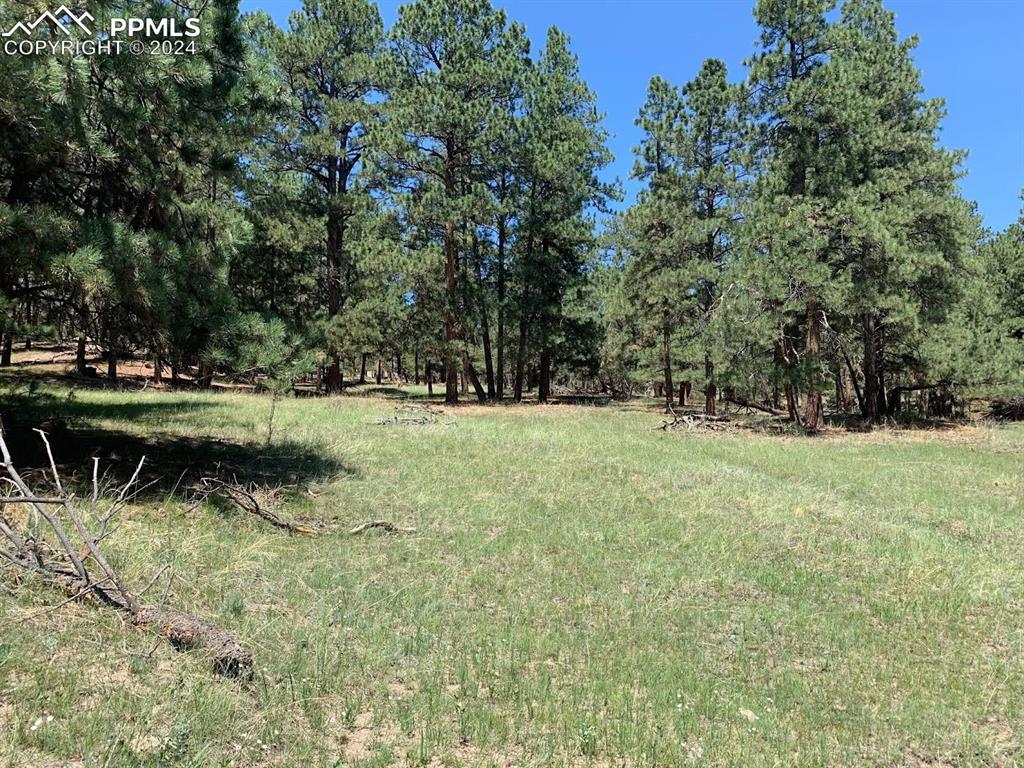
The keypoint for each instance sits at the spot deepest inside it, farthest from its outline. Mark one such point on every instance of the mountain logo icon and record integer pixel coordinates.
(63, 19)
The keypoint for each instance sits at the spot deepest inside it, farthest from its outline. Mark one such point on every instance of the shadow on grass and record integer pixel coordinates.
(383, 391)
(900, 422)
(172, 461)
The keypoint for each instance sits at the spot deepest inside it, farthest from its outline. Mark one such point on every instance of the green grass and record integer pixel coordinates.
(582, 590)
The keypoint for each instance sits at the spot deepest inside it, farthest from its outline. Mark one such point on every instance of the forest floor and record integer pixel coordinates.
(582, 589)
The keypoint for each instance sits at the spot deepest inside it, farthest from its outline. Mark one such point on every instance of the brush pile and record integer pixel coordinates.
(51, 536)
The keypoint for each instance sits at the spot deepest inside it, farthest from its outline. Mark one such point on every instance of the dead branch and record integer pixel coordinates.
(247, 500)
(64, 557)
(427, 414)
(385, 525)
(410, 420)
(690, 420)
(1007, 410)
(744, 403)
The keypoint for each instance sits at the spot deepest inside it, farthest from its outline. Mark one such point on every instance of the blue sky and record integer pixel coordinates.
(970, 54)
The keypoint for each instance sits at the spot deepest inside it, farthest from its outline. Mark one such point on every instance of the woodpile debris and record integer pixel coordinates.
(692, 421)
(415, 414)
(59, 541)
(1007, 410)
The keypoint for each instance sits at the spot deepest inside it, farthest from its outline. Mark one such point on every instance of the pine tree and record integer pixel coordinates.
(905, 228)
(712, 142)
(327, 65)
(656, 271)
(794, 100)
(450, 64)
(564, 148)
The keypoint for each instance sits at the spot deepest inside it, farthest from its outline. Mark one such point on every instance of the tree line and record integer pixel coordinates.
(295, 203)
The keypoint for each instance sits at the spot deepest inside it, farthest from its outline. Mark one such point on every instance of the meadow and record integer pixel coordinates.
(581, 589)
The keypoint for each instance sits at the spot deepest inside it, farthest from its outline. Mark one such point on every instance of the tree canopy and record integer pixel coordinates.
(434, 193)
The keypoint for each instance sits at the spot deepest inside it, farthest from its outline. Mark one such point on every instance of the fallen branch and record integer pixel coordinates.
(246, 499)
(385, 525)
(744, 403)
(421, 421)
(1007, 410)
(691, 420)
(65, 557)
(428, 414)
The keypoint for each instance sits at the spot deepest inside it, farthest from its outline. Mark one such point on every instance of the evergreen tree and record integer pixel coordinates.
(327, 65)
(794, 100)
(656, 275)
(905, 229)
(450, 64)
(564, 148)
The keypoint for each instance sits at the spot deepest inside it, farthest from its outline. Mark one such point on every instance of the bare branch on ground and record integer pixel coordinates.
(65, 552)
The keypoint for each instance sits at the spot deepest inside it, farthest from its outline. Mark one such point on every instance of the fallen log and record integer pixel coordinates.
(1007, 410)
(186, 632)
(691, 420)
(67, 556)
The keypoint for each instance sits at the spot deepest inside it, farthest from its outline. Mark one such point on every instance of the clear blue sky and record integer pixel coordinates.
(970, 53)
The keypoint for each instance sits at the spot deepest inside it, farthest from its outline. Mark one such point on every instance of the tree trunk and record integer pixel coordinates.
(451, 325)
(883, 402)
(812, 350)
(895, 399)
(485, 325)
(332, 374)
(500, 383)
(379, 375)
(520, 361)
(470, 373)
(684, 393)
(362, 367)
(112, 365)
(80, 356)
(205, 376)
(5, 354)
(853, 379)
(416, 365)
(488, 363)
(710, 390)
(158, 369)
(29, 321)
(782, 365)
(430, 380)
(666, 358)
(870, 401)
(336, 182)
(544, 382)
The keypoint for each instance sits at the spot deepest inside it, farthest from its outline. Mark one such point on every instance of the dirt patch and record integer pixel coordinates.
(916, 758)
(399, 690)
(366, 736)
(1002, 741)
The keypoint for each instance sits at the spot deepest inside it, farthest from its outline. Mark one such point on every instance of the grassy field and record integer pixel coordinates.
(581, 591)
